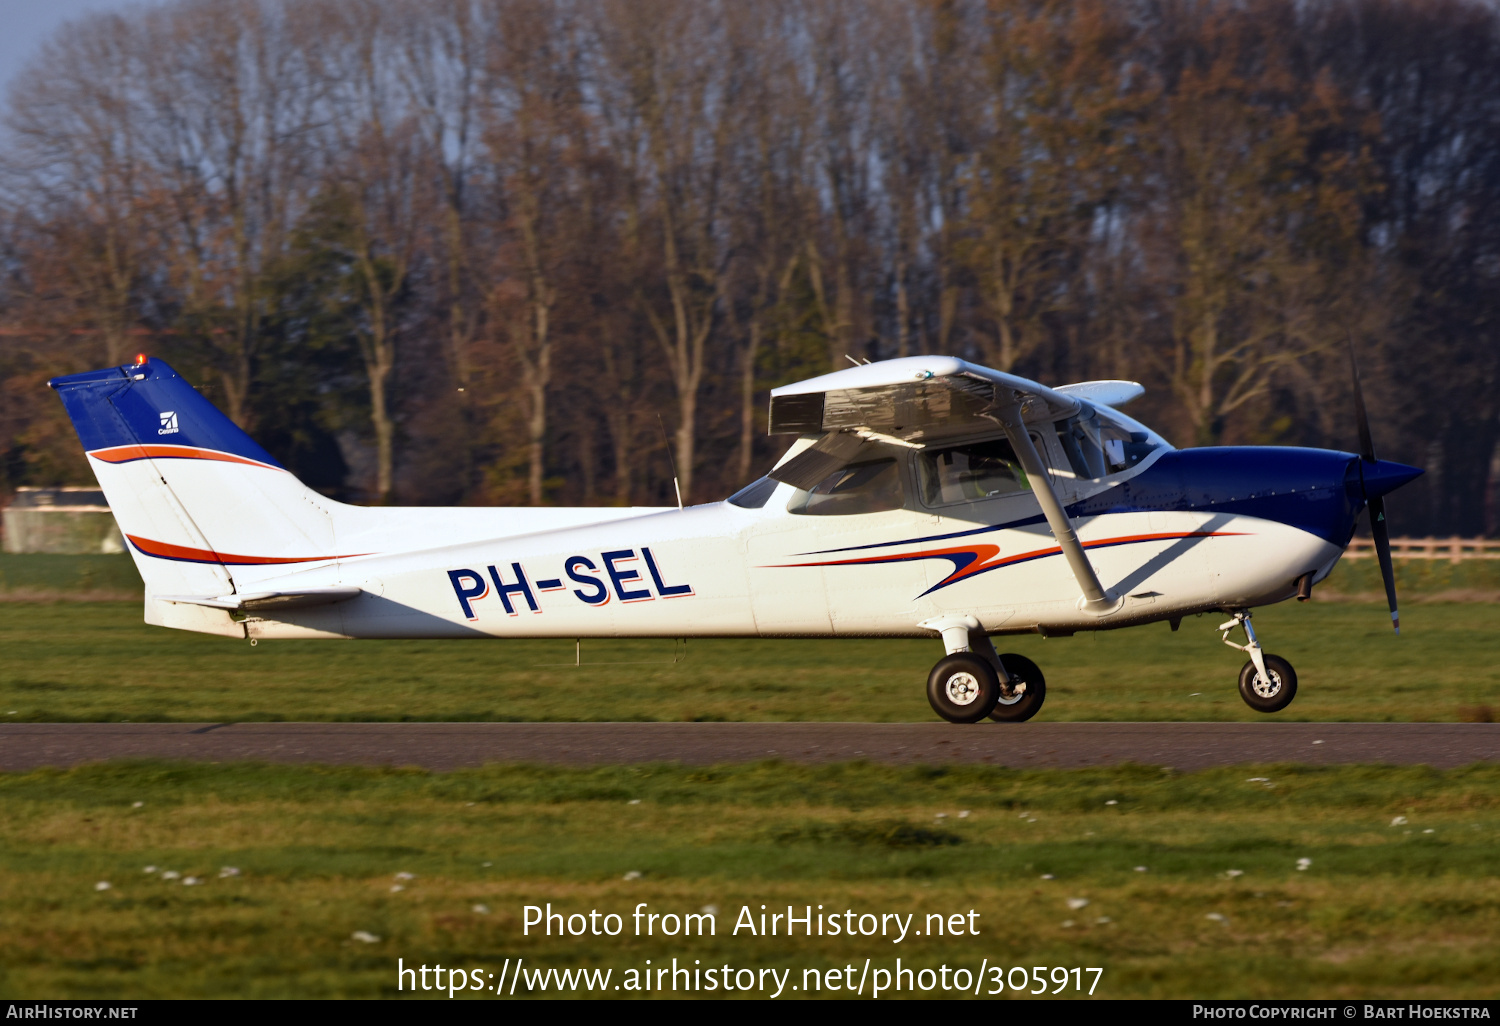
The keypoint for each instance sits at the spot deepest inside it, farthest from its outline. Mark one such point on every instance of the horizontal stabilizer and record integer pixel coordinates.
(259, 601)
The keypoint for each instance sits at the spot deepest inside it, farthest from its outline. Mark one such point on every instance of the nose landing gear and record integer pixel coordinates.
(1267, 682)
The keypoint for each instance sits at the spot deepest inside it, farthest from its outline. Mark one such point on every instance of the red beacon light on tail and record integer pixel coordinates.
(140, 359)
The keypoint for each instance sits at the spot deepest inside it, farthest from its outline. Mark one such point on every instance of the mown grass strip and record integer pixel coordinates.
(95, 662)
(1291, 881)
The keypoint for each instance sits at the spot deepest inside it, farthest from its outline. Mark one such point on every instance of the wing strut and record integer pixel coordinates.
(1096, 599)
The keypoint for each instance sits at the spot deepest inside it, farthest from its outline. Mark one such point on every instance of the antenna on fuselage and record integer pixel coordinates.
(670, 459)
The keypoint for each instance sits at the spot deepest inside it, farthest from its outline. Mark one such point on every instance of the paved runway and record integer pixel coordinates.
(441, 746)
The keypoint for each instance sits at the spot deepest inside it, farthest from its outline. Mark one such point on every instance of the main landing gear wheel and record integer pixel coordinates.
(963, 688)
(1272, 695)
(1022, 697)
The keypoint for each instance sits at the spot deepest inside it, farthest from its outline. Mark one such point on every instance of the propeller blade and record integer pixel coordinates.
(1382, 539)
(1379, 531)
(1366, 444)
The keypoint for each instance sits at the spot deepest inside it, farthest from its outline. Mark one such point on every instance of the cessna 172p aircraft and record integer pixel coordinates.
(924, 497)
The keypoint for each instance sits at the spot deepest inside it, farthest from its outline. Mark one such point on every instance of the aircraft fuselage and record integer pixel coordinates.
(1186, 532)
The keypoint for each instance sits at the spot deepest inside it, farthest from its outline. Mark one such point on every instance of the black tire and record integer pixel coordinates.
(1273, 697)
(1013, 708)
(962, 688)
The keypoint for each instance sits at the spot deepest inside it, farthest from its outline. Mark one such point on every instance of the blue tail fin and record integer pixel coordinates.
(150, 405)
(206, 510)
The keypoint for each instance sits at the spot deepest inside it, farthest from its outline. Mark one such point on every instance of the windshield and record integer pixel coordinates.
(980, 470)
(868, 487)
(1098, 444)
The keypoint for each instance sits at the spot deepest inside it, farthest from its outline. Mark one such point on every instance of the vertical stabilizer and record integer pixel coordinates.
(205, 510)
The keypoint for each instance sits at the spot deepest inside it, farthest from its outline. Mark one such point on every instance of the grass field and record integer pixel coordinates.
(1417, 580)
(1220, 910)
(97, 661)
(39, 576)
(1385, 907)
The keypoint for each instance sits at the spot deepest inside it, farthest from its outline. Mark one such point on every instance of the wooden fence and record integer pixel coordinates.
(1455, 550)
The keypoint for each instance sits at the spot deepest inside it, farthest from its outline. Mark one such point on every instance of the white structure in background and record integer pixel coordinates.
(73, 520)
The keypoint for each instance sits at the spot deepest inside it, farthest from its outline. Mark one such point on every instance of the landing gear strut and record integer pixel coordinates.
(1267, 682)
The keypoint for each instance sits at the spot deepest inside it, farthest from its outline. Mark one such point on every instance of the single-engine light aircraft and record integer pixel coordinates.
(923, 497)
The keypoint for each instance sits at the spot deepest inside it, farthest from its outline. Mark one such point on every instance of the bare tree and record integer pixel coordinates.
(442, 49)
(374, 186)
(423, 215)
(74, 171)
(766, 162)
(669, 101)
(230, 101)
(1236, 229)
(839, 194)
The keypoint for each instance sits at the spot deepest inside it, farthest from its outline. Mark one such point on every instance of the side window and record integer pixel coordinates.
(968, 472)
(868, 487)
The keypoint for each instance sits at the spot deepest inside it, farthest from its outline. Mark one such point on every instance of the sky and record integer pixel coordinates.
(25, 24)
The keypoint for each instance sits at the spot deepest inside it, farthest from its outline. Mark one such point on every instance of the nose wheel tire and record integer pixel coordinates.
(962, 688)
(1272, 695)
(1022, 698)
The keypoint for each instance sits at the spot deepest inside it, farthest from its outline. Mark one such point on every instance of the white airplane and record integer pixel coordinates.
(924, 497)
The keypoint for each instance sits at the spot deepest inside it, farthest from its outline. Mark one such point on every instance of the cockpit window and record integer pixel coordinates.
(967, 472)
(1098, 446)
(868, 487)
(754, 494)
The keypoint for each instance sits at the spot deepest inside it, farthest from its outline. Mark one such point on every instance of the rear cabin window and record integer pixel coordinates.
(868, 487)
(965, 473)
(754, 495)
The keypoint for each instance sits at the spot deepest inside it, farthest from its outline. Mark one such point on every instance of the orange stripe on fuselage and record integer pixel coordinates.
(166, 550)
(986, 556)
(127, 453)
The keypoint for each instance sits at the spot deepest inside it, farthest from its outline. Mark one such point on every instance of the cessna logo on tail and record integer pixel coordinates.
(168, 423)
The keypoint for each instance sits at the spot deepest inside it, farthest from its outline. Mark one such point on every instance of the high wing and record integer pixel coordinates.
(919, 399)
(912, 400)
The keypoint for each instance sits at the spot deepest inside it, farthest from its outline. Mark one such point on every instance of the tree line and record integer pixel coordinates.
(537, 251)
